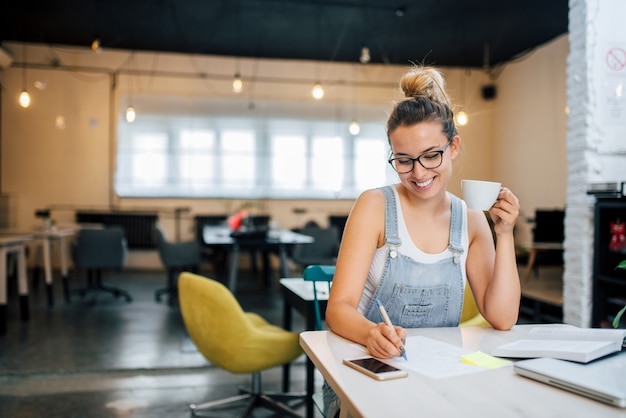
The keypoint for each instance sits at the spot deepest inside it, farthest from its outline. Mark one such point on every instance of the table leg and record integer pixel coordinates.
(47, 265)
(22, 283)
(267, 271)
(310, 387)
(64, 269)
(287, 323)
(284, 263)
(532, 255)
(232, 269)
(3, 291)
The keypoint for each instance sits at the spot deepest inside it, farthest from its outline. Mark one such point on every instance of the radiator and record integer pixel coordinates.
(138, 227)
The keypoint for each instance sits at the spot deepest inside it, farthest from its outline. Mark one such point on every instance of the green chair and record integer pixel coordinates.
(315, 274)
(236, 341)
(318, 273)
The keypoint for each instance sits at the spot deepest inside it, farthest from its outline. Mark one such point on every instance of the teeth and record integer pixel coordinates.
(424, 184)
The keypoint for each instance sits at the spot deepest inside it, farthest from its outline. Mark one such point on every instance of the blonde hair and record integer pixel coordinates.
(425, 82)
(426, 100)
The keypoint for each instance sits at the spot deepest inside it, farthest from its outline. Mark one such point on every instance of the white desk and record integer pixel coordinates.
(217, 236)
(533, 249)
(490, 393)
(48, 237)
(298, 295)
(13, 243)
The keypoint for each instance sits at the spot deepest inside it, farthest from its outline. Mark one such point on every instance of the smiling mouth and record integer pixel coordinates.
(425, 183)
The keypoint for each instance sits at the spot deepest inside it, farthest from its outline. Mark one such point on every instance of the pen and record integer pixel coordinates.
(383, 312)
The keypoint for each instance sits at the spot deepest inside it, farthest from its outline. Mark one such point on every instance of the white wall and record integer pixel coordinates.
(530, 125)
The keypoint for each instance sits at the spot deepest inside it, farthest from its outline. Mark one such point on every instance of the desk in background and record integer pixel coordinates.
(298, 295)
(489, 393)
(276, 241)
(46, 238)
(13, 243)
(534, 249)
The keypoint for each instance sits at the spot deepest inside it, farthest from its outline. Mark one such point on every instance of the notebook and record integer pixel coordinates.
(603, 380)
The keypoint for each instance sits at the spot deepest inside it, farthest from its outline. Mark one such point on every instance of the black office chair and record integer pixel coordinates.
(215, 255)
(322, 251)
(97, 250)
(176, 257)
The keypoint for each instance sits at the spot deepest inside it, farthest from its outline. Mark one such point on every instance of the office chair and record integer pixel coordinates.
(176, 257)
(96, 250)
(323, 250)
(236, 341)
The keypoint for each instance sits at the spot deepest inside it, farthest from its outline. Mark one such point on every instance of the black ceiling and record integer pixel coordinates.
(438, 32)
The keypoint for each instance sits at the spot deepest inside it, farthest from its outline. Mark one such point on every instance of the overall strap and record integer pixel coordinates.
(456, 228)
(391, 218)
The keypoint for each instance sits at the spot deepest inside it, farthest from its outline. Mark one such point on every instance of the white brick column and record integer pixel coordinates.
(596, 139)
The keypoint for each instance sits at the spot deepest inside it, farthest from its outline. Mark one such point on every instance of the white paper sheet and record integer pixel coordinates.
(434, 358)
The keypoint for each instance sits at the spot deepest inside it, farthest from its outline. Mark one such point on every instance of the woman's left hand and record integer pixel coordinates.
(505, 211)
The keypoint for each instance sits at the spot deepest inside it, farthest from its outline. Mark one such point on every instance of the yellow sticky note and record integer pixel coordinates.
(484, 360)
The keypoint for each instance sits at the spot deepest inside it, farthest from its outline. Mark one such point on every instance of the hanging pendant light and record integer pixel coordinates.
(24, 97)
(130, 114)
(318, 91)
(237, 83)
(461, 118)
(354, 128)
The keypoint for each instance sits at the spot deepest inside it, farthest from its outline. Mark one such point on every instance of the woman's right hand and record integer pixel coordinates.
(384, 341)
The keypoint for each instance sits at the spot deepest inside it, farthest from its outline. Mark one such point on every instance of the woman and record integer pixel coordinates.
(412, 245)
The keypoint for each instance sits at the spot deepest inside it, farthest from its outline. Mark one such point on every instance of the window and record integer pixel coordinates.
(174, 156)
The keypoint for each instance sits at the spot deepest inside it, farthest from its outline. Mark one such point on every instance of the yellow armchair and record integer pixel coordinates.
(470, 316)
(236, 341)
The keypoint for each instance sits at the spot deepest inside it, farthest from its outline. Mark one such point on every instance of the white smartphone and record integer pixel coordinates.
(375, 368)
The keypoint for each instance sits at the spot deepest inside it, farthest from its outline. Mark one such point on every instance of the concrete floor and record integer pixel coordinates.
(110, 358)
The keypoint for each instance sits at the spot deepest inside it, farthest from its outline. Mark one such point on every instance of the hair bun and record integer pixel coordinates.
(425, 82)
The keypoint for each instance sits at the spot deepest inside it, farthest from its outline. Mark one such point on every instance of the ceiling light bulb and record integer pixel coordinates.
(462, 118)
(24, 99)
(365, 55)
(237, 84)
(130, 114)
(95, 46)
(318, 91)
(354, 128)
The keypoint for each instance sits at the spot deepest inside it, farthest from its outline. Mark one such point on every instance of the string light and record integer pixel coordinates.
(237, 84)
(130, 114)
(354, 128)
(24, 99)
(461, 118)
(318, 91)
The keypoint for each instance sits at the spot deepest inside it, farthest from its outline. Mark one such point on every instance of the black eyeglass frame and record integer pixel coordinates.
(418, 159)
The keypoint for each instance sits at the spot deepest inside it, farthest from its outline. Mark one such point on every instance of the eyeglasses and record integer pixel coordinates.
(430, 159)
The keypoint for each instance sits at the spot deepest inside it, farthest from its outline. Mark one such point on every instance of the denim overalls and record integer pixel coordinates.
(415, 295)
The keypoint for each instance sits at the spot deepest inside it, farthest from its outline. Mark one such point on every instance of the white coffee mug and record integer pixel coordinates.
(480, 194)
